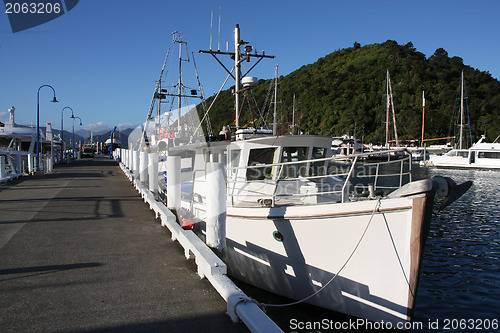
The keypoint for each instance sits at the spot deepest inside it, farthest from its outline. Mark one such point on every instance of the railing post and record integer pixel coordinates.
(31, 166)
(174, 183)
(131, 161)
(135, 161)
(50, 164)
(126, 159)
(2, 167)
(19, 163)
(216, 206)
(153, 173)
(344, 188)
(143, 167)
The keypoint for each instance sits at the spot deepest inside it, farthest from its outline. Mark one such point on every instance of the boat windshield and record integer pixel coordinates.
(294, 154)
(459, 153)
(257, 157)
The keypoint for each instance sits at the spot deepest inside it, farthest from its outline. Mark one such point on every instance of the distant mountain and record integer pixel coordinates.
(345, 92)
(84, 133)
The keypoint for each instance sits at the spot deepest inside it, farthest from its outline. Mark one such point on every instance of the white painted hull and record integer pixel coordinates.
(317, 242)
(464, 163)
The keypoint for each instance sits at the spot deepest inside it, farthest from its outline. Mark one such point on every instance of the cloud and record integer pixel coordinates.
(4, 115)
(97, 127)
(124, 126)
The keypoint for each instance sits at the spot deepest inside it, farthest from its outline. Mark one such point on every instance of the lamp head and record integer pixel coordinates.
(54, 100)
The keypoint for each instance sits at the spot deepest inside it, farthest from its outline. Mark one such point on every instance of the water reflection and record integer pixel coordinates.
(460, 278)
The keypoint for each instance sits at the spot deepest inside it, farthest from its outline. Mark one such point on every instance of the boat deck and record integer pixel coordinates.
(80, 251)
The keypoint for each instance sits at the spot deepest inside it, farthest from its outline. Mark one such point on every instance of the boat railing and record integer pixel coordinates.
(339, 182)
(14, 163)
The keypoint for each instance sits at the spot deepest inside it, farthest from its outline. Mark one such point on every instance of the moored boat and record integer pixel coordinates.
(482, 155)
(302, 223)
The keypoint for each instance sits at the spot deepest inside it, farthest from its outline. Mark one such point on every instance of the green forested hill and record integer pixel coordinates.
(344, 92)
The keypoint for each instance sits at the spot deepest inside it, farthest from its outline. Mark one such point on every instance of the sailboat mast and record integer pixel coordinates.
(237, 75)
(393, 115)
(388, 102)
(275, 100)
(461, 108)
(423, 117)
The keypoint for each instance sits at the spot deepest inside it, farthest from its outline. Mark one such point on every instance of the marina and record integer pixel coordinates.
(260, 199)
(458, 280)
(310, 186)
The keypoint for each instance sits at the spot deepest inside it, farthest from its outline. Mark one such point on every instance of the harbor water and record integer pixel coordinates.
(460, 279)
(459, 286)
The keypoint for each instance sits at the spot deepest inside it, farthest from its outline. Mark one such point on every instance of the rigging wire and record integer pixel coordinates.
(375, 209)
(399, 258)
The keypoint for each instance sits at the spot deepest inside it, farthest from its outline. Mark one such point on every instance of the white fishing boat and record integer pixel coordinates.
(300, 223)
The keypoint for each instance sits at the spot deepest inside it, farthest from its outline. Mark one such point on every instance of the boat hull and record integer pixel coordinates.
(377, 268)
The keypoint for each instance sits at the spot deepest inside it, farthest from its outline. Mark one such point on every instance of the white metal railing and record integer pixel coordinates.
(240, 186)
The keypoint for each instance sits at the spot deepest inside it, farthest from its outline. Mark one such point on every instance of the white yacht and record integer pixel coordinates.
(482, 155)
(16, 142)
(15, 137)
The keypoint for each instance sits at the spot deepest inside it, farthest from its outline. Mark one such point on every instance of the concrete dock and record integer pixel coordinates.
(81, 252)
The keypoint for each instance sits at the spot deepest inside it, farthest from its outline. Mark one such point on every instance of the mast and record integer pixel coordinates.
(238, 58)
(388, 103)
(423, 117)
(237, 69)
(179, 85)
(275, 100)
(394, 116)
(156, 96)
(461, 108)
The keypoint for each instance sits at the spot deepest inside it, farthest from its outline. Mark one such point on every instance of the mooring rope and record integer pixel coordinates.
(340, 270)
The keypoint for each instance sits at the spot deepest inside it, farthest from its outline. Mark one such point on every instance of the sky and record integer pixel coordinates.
(103, 57)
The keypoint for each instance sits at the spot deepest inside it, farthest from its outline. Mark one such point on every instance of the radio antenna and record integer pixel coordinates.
(218, 42)
(211, 21)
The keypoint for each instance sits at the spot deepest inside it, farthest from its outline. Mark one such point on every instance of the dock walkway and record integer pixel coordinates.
(81, 252)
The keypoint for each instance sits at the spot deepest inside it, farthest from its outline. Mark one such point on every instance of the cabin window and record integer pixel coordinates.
(294, 154)
(235, 160)
(258, 157)
(459, 153)
(318, 168)
(488, 154)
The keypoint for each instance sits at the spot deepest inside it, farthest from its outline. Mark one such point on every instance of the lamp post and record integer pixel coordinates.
(73, 140)
(54, 100)
(62, 129)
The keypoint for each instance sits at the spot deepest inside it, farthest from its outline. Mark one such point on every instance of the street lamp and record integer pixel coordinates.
(54, 100)
(73, 116)
(62, 129)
